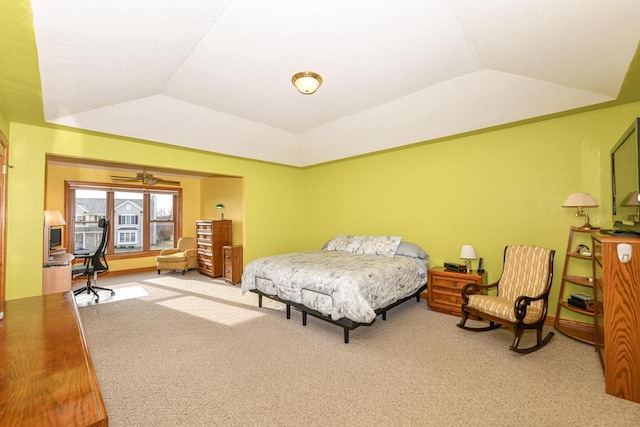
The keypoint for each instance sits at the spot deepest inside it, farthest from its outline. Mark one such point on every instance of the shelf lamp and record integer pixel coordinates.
(468, 253)
(220, 206)
(581, 200)
(53, 219)
(307, 82)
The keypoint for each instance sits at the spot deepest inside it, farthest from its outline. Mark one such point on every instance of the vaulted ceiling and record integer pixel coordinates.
(216, 74)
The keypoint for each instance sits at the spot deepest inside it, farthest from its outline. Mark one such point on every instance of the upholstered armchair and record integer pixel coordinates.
(522, 296)
(183, 257)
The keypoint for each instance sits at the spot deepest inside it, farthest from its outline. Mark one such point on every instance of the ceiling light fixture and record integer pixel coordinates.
(307, 82)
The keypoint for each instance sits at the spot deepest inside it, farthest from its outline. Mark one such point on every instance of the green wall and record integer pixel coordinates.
(490, 190)
(272, 220)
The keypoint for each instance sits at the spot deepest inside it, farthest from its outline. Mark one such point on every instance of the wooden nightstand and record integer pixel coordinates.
(444, 288)
(232, 263)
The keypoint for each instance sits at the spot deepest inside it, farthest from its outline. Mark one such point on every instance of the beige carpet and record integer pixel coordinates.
(84, 299)
(196, 352)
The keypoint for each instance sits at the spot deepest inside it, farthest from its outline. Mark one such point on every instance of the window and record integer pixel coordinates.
(128, 219)
(143, 220)
(162, 224)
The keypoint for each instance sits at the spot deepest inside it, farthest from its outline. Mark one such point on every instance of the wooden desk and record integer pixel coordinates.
(46, 373)
(56, 273)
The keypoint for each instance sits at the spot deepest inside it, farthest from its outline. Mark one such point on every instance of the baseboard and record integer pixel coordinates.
(132, 271)
(121, 272)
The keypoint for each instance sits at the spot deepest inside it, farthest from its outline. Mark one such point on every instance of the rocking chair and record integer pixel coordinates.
(522, 295)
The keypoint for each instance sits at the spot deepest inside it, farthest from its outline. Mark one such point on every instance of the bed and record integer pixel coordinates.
(349, 282)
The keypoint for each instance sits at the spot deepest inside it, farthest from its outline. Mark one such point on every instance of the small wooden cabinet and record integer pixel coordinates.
(232, 263)
(617, 314)
(56, 273)
(211, 237)
(444, 288)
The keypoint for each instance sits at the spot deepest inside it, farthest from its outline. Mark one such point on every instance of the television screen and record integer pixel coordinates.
(625, 178)
(55, 238)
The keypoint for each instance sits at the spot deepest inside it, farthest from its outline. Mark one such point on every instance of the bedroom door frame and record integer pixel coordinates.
(4, 148)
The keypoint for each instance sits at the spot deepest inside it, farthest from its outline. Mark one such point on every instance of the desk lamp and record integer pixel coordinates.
(221, 206)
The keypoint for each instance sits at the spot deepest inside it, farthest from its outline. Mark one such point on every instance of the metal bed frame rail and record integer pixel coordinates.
(347, 324)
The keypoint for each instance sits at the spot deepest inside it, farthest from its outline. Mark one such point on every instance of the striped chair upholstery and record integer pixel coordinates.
(526, 272)
(521, 298)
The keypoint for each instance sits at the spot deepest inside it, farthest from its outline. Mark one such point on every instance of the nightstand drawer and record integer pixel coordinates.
(449, 283)
(451, 299)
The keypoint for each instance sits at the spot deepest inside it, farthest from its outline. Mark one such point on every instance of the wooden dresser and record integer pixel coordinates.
(212, 236)
(46, 373)
(444, 288)
(617, 314)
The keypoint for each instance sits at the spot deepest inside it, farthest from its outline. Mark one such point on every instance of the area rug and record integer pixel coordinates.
(121, 294)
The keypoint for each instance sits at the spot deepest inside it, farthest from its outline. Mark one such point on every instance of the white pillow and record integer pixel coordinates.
(344, 243)
(379, 245)
(411, 250)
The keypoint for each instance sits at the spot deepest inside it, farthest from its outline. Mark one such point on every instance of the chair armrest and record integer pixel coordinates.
(473, 289)
(169, 251)
(523, 301)
(191, 252)
(81, 255)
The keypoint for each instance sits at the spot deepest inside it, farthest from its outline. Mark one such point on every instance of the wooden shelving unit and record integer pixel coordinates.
(578, 330)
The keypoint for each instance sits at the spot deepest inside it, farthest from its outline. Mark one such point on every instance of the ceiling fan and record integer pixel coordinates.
(144, 178)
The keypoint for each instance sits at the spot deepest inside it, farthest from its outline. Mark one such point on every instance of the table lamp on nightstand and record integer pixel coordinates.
(468, 253)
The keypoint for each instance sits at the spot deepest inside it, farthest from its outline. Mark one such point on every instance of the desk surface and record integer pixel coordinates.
(59, 259)
(46, 373)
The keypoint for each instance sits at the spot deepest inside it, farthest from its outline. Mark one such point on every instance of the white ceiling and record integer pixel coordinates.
(216, 74)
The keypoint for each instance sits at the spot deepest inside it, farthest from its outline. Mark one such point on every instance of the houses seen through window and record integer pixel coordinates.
(142, 220)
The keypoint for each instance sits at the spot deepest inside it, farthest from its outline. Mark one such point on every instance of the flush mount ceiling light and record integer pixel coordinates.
(307, 82)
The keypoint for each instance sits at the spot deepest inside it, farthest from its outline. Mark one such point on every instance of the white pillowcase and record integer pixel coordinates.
(344, 243)
(379, 245)
(411, 250)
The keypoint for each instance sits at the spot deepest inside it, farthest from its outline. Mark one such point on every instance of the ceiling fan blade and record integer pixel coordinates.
(145, 178)
(124, 178)
(164, 181)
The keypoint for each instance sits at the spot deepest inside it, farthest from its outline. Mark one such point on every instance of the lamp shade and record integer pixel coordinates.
(219, 206)
(579, 200)
(53, 218)
(468, 252)
(307, 82)
(632, 199)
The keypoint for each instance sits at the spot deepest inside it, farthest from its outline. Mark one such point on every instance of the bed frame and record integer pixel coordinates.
(347, 324)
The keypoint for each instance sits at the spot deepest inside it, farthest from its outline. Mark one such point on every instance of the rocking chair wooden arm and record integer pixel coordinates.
(473, 289)
(523, 301)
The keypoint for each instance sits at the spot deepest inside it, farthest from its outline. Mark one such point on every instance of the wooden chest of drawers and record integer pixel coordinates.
(212, 236)
(444, 288)
(232, 263)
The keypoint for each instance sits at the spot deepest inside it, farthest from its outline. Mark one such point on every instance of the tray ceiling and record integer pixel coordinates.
(216, 74)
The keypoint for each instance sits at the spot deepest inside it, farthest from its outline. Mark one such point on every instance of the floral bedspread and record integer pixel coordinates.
(355, 284)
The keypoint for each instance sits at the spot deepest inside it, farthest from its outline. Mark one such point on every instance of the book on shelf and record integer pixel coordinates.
(582, 296)
(584, 305)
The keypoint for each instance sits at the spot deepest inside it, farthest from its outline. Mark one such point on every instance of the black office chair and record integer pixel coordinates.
(94, 264)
